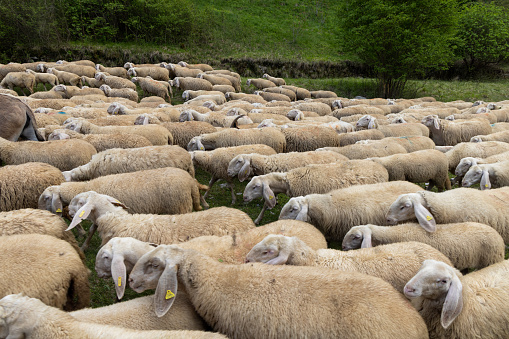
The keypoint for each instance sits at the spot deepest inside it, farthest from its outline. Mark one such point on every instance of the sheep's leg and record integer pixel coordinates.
(91, 232)
(232, 187)
(211, 182)
(260, 216)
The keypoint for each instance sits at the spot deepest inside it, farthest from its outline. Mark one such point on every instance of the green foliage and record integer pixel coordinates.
(398, 39)
(483, 34)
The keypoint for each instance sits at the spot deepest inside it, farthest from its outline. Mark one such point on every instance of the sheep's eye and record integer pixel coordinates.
(356, 236)
(264, 252)
(402, 208)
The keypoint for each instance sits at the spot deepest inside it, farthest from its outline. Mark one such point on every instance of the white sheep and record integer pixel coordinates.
(260, 83)
(65, 77)
(19, 79)
(44, 79)
(217, 119)
(456, 306)
(367, 150)
(449, 133)
(458, 205)
(119, 92)
(279, 90)
(473, 149)
(334, 213)
(24, 317)
(277, 81)
(87, 69)
(118, 160)
(42, 266)
(114, 81)
(487, 175)
(246, 165)
(317, 178)
(231, 307)
(392, 130)
(153, 87)
(190, 83)
(394, 263)
(71, 91)
(498, 136)
(115, 71)
(466, 244)
(271, 96)
(156, 73)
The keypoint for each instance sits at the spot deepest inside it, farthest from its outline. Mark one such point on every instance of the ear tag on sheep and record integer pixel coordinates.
(169, 295)
(119, 281)
(429, 217)
(81, 214)
(58, 210)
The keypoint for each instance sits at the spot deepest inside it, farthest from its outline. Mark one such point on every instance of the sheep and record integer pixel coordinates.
(461, 204)
(214, 79)
(114, 81)
(246, 165)
(150, 86)
(80, 70)
(157, 135)
(445, 133)
(277, 81)
(499, 136)
(216, 119)
(25, 317)
(467, 162)
(367, 150)
(195, 84)
(138, 314)
(251, 98)
(91, 82)
(351, 138)
(119, 92)
(466, 244)
(216, 162)
(202, 67)
(353, 113)
(10, 67)
(488, 175)
(334, 213)
(284, 314)
(234, 78)
(478, 150)
(318, 107)
(183, 132)
(260, 83)
(102, 142)
(156, 73)
(63, 154)
(420, 166)
(117, 160)
(301, 93)
(19, 79)
(456, 306)
(223, 88)
(394, 263)
(128, 65)
(279, 90)
(71, 91)
(176, 70)
(44, 267)
(21, 185)
(318, 178)
(393, 130)
(270, 96)
(112, 220)
(233, 137)
(44, 78)
(190, 94)
(309, 138)
(65, 77)
(323, 94)
(115, 71)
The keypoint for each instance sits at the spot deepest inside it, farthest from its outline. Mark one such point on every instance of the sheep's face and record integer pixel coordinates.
(106, 89)
(472, 176)
(103, 261)
(295, 208)
(464, 166)
(353, 239)
(476, 139)
(431, 121)
(113, 108)
(364, 121)
(148, 269)
(254, 189)
(77, 202)
(128, 65)
(402, 209)
(235, 165)
(432, 281)
(337, 104)
(60, 88)
(265, 250)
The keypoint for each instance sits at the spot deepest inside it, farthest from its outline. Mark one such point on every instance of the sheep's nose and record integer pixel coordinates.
(246, 261)
(409, 290)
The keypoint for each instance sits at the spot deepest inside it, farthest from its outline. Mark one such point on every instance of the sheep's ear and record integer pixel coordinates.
(245, 170)
(424, 217)
(118, 273)
(166, 290)
(199, 145)
(115, 202)
(268, 196)
(485, 180)
(303, 213)
(281, 259)
(81, 214)
(56, 204)
(366, 239)
(453, 303)
(145, 120)
(371, 124)
(436, 123)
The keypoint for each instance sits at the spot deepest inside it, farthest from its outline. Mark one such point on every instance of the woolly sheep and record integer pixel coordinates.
(351, 138)
(499, 136)
(19, 79)
(21, 185)
(119, 160)
(216, 162)
(318, 178)
(334, 213)
(461, 204)
(113, 220)
(446, 133)
(115, 71)
(367, 150)
(65, 77)
(119, 92)
(487, 175)
(183, 132)
(251, 98)
(156, 73)
(233, 137)
(456, 306)
(80, 70)
(157, 135)
(10, 67)
(71, 91)
(216, 119)
(147, 191)
(102, 142)
(203, 67)
(63, 154)
(279, 90)
(411, 143)
(25, 317)
(176, 70)
(419, 167)
(478, 150)
(394, 263)
(195, 84)
(217, 300)
(114, 81)
(318, 107)
(466, 244)
(91, 82)
(277, 81)
(246, 165)
(323, 94)
(150, 86)
(301, 93)
(214, 79)
(44, 79)
(467, 162)
(393, 130)
(190, 94)
(44, 267)
(260, 83)
(309, 138)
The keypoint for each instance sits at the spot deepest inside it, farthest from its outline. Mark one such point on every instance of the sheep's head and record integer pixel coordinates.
(434, 280)
(464, 165)
(357, 237)
(476, 139)
(492, 106)
(209, 104)
(295, 114)
(50, 200)
(296, 208)
(366, 121)
(408, 206)
(114, 108)
(274, 249)
(265, 76)
(241, 165)
(185, 95)
(106, 89)
(57, 135)
(482, 110)
(431, 121)
(248, 82)
(131, 72)
(195, 144)
(183, 64)
(337, 104)
(477, 103)
(128, 65)
(267, 123)
(41, 68)
(60, 88)
(260, 187)
(186, 115)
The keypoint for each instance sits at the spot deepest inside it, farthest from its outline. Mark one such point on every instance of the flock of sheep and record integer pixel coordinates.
(351, 167)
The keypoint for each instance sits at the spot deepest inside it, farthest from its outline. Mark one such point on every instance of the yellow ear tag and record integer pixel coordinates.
(119, 281)
(169, 295)
(428, 217)
(486, 185)
(245, 172)
(271, 197)
(81, 214)
(58, 210)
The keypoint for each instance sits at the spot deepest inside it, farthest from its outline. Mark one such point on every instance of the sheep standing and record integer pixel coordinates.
(114, 81)
(19, 79)
(309, 138)
(418, 167)
(333, 310)
(456, 306)
(466, 244)
(119, 92)
(393, 130)
(44, 79)
(44, 267)
(156, 73)
(458, 205)
(65, 77)
(150, 86)
(488, 175)
(183, 132)
(277, 81)
(119, 160)
(446, 133)
(394, 263)
(260, 83)
(319, 178)
(195, 84)
(334, 213)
